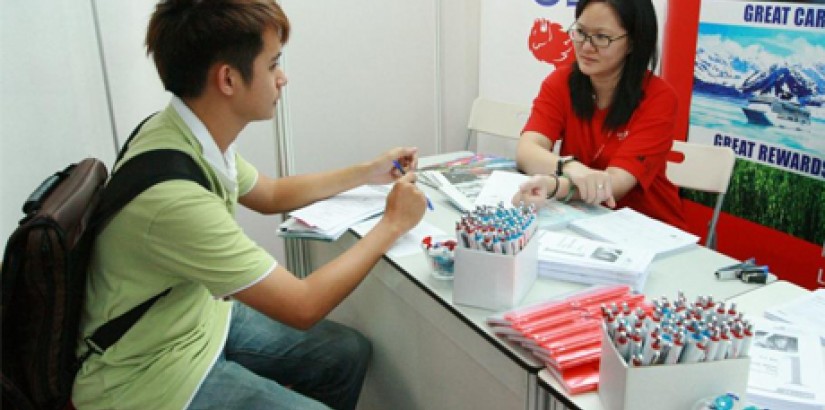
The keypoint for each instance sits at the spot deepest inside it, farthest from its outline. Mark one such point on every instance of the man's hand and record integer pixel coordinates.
(405, 205)
(382, 170)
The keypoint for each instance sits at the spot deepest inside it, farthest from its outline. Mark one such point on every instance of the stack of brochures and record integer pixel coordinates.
(330, 218)
(786, 357)
(565, 334)
(576, 259)
(626, 226)
(462, 180)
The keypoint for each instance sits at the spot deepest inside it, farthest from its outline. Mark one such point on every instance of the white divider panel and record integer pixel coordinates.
(362, 79)
(52, 100)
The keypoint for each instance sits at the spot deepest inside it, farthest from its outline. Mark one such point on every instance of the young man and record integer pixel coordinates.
(194, 348)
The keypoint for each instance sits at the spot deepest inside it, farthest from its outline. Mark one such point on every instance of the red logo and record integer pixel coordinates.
(550, 43)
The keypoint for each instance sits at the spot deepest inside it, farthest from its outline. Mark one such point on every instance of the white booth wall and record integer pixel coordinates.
(363, 76)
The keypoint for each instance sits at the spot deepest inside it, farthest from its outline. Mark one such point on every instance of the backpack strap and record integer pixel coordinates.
(132, 178)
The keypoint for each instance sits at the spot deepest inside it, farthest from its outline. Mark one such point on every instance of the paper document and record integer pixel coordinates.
(500, 187)
(293, 228)
(460, 194)
(806, 311)
(409, 243)
(786, 369)
(344, 209)
(576, 259)
(630, 228)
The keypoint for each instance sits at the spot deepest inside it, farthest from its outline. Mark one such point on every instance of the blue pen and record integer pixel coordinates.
(401, 170)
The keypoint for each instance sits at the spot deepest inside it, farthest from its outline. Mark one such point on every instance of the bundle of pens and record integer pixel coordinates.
(497, 229)
(441, 254)
(678, 332)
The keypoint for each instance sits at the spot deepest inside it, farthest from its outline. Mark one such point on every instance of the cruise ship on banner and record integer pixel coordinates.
(773, 112)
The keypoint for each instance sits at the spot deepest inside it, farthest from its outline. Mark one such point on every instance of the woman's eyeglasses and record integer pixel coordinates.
(596, 40)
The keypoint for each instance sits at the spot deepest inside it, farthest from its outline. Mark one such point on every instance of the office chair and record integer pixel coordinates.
(496, 118)
(705, 168)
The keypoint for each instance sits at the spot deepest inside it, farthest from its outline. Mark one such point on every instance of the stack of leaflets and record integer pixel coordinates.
(626, 226)
(330, 218)
(576, 259)
(462, 180)
(565, 334)
(786, 370)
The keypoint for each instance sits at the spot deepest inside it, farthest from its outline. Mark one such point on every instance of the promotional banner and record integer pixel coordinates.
(759, 88)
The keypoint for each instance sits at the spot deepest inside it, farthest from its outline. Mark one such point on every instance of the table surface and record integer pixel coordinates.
(690, 271)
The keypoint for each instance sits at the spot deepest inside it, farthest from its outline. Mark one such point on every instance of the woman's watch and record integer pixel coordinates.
(562, 162)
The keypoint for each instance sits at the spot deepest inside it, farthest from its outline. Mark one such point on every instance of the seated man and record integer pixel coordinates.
(195, 347)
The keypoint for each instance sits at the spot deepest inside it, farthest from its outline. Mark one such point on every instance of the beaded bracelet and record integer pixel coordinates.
(570, 191)
(552, 194)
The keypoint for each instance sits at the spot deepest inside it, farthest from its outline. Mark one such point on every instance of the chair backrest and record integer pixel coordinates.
(705, 168)
(496, 118)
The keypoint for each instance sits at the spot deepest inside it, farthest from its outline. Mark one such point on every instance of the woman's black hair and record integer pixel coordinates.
(638, 18)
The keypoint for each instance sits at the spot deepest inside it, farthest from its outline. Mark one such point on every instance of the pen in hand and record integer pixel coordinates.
(401, 170)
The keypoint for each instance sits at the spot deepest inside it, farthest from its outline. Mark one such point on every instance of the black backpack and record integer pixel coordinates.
(44, 272)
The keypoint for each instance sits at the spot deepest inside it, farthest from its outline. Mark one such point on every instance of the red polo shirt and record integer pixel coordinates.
(640, 147)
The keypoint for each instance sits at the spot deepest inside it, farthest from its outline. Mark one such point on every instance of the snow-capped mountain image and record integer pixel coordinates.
(718, 72)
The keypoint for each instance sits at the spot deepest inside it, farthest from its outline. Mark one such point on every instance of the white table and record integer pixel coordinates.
(432, 354)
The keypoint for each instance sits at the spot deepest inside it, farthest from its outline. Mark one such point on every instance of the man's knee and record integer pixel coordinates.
(357, 347)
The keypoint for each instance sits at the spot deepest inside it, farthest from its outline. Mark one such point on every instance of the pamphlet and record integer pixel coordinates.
(577, 259)
(626, 226)
(803, 311)
(462, 180)
(786, 369)
(330, 218)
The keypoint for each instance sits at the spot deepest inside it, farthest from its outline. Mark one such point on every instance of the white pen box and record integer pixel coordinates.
(666, 387)
(491, 280)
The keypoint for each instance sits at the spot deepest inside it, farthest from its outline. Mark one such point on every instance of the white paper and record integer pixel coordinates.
(626, 226)
(461, 199)
(575, 259)
(806, 311)
(786, 369)
(409, 243)
(293, 228)
(558, 249)
(500, 187)
(343, 210)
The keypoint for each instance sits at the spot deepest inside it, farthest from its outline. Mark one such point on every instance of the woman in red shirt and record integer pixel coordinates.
(614, 118)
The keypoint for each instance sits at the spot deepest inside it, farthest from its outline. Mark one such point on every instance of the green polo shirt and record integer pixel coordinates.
(176, 234)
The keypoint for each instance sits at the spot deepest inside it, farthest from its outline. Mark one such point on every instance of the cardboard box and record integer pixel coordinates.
(494, 281)
(663, 387)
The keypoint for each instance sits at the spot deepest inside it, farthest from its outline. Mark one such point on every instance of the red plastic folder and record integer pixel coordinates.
(590, 299)
(580, 379)
(566, 334)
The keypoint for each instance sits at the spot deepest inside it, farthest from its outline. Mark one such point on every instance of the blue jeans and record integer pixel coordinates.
(268, 365)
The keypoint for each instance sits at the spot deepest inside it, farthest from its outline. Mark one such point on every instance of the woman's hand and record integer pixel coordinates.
(594, 186)
(534, 190)
(382, 169)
